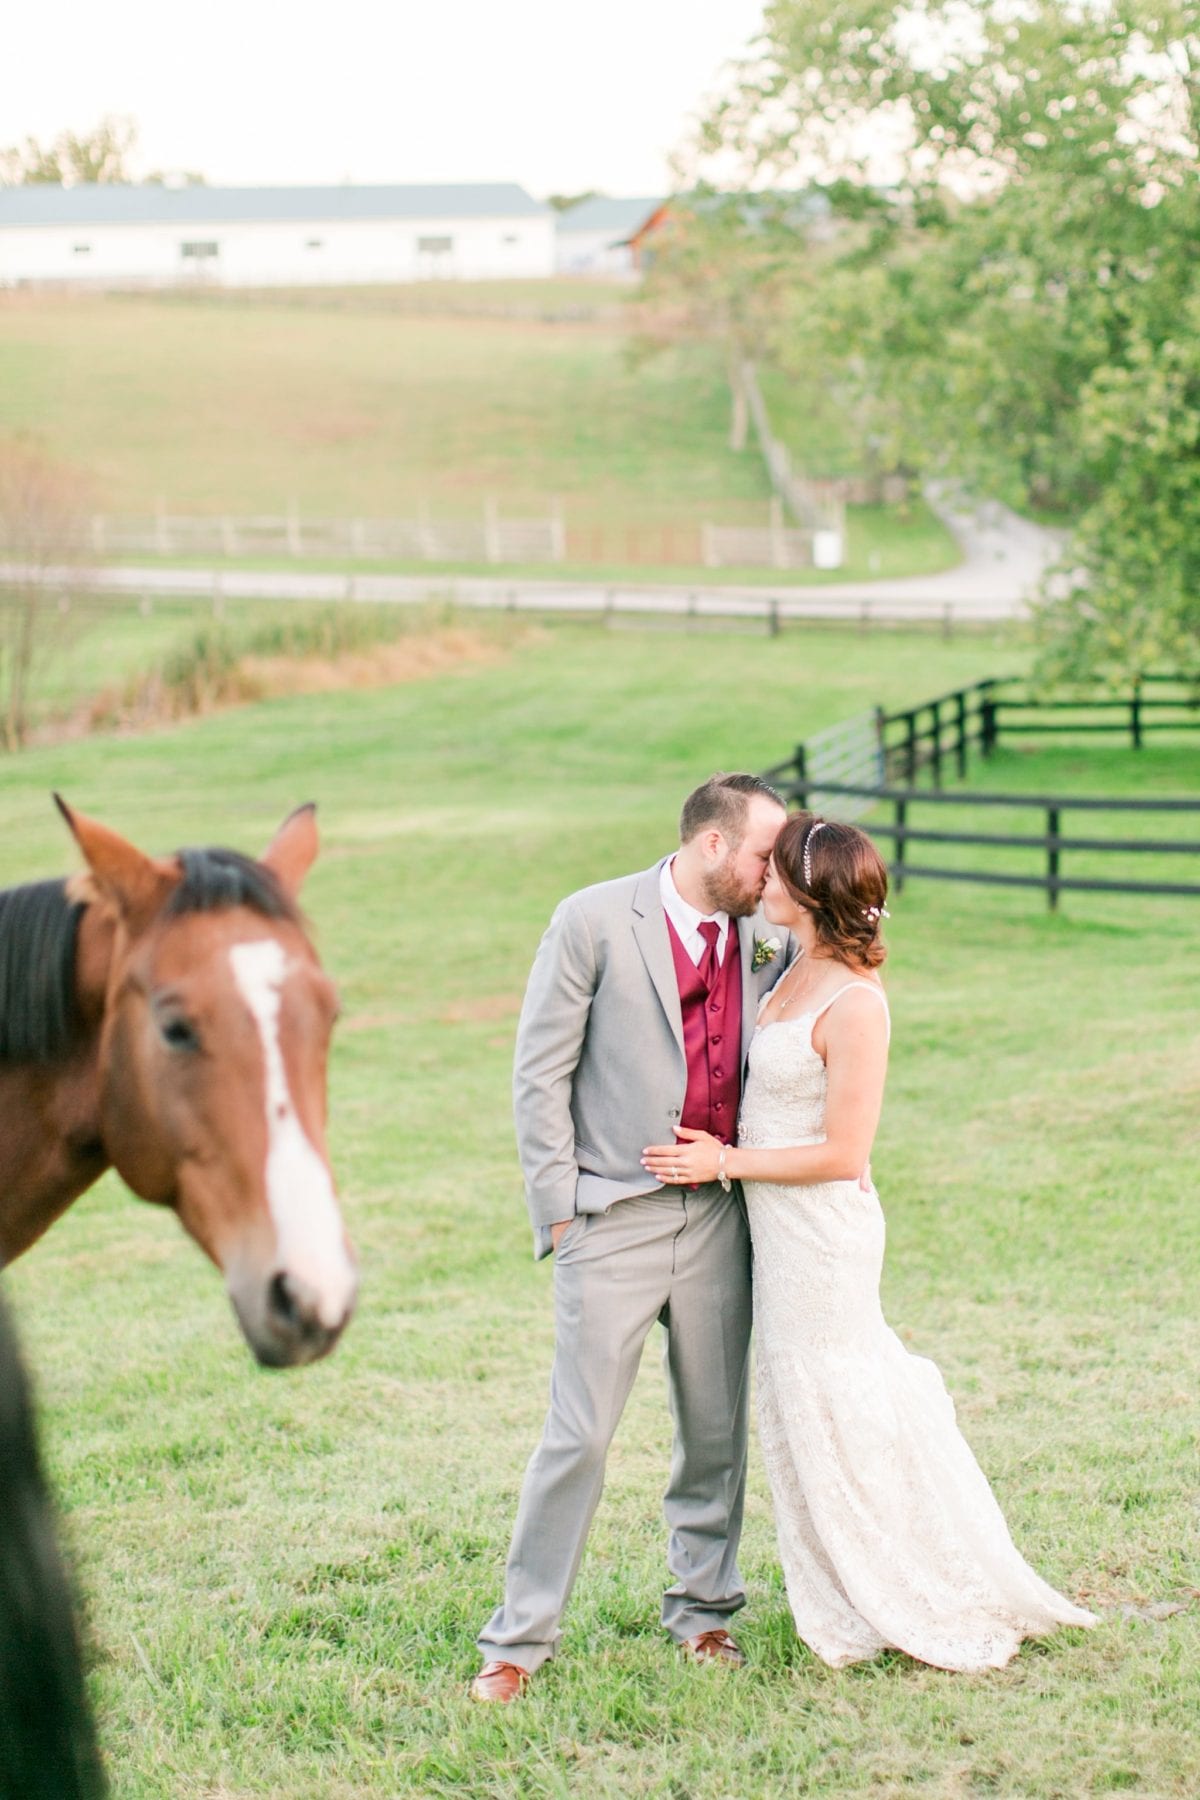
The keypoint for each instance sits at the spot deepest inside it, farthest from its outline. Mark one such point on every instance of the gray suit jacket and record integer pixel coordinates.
(600, 1070)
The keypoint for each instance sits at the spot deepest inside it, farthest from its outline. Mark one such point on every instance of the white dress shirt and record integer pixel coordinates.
(687, 920)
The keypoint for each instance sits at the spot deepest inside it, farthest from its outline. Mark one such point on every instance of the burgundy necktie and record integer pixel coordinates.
(708, 965)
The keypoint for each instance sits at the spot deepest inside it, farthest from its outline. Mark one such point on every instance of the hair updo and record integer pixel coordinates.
(847, 887)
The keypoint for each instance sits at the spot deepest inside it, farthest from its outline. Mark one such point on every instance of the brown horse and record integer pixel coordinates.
(169, 1017)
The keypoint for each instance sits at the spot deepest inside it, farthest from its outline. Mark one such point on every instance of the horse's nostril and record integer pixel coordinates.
(283, 1300)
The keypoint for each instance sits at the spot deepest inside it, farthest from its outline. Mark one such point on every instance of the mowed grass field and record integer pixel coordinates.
(247, 406)
(285, 1573)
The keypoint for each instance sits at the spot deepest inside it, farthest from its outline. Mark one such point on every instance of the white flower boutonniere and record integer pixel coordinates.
(765, 951)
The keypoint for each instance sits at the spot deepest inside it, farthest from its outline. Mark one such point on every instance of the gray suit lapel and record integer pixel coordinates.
(755, 982)
(650, 933)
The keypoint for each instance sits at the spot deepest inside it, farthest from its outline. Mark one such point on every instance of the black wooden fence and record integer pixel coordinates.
(938, 734)
(937, 737)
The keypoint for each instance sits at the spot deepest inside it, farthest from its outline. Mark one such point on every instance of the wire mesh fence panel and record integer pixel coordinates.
(848, 754)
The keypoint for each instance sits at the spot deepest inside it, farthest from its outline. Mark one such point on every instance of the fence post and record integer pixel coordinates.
(989, 725)
(898, 858)
(773, 619)
(491, 529)
(960, 743)
(558, 530)
(294, 543)
(1052, 857)
(778, 544)
(935, 717)
(1135, 715)
(910, 749)
(801, 762)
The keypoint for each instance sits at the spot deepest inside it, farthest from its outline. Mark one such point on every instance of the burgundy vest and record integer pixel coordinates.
(712, 1039)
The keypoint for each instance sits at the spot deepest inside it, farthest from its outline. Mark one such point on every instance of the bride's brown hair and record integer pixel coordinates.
(837, 873)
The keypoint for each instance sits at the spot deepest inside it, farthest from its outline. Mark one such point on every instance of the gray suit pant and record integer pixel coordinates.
(681, 1257)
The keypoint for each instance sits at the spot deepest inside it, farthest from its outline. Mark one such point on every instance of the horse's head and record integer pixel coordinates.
(213, 1061)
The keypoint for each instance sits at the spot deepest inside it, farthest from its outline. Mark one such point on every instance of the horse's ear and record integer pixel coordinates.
(293, 850)
(136, 883)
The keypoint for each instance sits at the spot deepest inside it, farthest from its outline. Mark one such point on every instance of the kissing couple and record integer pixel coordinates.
(699, 1074)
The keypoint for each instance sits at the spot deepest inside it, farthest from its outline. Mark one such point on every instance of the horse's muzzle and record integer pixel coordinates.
(287, 1322)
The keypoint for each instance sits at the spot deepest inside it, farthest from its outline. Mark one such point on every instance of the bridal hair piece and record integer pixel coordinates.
(819, 825)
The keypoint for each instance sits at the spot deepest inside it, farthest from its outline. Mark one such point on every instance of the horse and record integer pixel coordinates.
(169, 1018)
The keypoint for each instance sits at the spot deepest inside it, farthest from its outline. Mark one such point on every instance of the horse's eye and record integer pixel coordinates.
(178, 1034)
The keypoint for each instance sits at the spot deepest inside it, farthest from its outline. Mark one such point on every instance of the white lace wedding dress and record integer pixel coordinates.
(889, 1534)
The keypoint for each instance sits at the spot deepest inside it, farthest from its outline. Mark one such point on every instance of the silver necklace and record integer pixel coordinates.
(798, 990)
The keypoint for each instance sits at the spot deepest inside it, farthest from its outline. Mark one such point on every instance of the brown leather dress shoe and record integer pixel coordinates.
(500, 1682)
(713, 1646)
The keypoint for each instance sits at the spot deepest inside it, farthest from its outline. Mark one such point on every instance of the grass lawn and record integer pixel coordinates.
(285, 1573)
(246, 405)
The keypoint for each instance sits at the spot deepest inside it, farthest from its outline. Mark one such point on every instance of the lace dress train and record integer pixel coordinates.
(889, 1534)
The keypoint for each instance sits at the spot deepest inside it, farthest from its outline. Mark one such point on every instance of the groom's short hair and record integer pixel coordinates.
(723, 801)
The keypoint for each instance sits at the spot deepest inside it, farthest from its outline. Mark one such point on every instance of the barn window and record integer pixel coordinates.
(199, 249)
(314, 243)
(435, 246)
(510, 237)
(81, 249)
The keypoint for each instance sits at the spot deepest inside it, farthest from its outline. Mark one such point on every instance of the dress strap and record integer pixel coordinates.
(871, 987)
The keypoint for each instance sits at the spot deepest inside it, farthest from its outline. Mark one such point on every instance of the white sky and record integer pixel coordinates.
(554, 94)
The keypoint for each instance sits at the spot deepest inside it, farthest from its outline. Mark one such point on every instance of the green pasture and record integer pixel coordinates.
(250, 405)
(284, 1573)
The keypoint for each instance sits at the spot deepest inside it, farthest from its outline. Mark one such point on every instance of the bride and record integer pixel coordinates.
(889, 1534)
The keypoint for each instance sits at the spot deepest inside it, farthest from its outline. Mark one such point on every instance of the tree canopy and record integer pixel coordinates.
(101, 154)
(1012, 289)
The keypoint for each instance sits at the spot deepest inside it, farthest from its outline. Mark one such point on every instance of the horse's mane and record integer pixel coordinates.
(39, 935)
(39, 929)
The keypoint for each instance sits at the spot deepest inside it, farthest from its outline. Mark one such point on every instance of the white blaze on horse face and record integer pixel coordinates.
(308, 1227)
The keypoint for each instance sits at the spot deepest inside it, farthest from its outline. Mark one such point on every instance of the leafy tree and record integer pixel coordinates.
(564, 202)
(44, 557)
(722, 267)
(1013, 290)
(101, 154)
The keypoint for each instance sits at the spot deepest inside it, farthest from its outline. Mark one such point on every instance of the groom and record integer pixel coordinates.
(638, 1018)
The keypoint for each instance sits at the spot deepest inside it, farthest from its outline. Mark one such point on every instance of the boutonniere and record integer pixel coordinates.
(765, 951)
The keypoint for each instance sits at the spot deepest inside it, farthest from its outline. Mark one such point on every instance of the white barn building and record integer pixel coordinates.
(112, 234)
(593, 236)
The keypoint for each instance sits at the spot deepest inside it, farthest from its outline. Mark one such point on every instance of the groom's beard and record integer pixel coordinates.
(728, 893)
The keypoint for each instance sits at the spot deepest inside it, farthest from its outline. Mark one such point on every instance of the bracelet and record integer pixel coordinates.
(722, 1177)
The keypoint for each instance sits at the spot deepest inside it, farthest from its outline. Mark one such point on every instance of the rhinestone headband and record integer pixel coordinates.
(813, 830)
